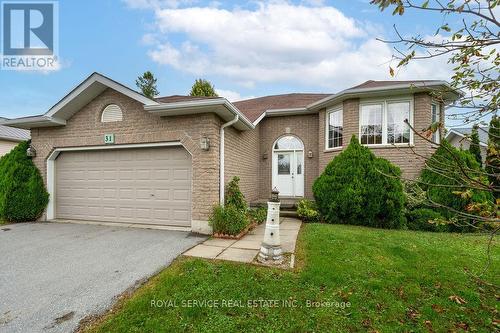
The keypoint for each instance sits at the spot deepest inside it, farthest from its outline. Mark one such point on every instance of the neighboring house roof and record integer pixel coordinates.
(13, 134)
(255, 107)
(465, 132)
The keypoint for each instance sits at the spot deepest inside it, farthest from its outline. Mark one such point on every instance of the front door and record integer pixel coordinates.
(288, 173)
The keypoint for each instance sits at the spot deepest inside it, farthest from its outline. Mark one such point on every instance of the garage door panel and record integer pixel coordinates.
(149, 185)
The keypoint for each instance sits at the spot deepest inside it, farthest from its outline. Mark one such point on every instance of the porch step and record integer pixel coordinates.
(289, 213)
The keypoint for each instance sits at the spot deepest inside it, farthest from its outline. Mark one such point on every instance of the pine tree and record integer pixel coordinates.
(203, 88)
(493, 154)
(147, 84)
(475, 148)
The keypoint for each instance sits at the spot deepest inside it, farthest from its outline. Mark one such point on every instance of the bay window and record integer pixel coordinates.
(397, 130)
(371, 124)
(383, 122)
(334, 129)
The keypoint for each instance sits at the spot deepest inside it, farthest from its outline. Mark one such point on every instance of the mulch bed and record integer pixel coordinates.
(238, 236)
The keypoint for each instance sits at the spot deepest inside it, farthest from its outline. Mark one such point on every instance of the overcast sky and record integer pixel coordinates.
(245, 48)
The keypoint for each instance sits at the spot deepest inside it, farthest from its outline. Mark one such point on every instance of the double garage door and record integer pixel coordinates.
(140, 185)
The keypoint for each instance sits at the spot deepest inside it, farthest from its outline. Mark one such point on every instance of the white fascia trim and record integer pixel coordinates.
(35, 120)
(353, 92)
(281, 112)
(452, 131)
(99, 78)
(11, 139)
(201, 104)
(51, 166)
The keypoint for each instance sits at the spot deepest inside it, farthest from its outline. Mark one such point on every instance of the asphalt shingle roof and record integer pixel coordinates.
(16, 134)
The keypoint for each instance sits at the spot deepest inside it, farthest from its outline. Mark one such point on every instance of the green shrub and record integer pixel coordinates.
(23, 196)
(234, 197)
(443, 173)
(308, 211)
(258, 215)
(355, 189)
(425, 219)
(228, 220)
(415, 196)
(493, 155)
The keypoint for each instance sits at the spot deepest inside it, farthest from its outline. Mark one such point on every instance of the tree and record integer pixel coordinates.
(493, 154)
(147, 84)
(203, 88)
(23, 196)
(467, 37)
(474, 147)
(354, 189)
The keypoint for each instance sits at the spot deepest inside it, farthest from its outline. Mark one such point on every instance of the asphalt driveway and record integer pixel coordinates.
(52, 275)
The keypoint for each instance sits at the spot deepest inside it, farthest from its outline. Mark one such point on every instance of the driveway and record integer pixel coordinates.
(52, 275)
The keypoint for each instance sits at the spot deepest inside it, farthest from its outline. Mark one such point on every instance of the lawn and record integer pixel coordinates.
(394, 281)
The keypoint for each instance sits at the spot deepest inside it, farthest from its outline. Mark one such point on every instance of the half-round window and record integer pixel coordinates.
(289, 143)
(111, 113)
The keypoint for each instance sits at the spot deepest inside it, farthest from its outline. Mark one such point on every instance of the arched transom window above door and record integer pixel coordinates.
(288, 166)
(288, 143)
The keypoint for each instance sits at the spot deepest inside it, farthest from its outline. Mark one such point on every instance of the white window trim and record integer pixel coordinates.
(384, 102)
(327, 128)
(106, 109)
(437, 133)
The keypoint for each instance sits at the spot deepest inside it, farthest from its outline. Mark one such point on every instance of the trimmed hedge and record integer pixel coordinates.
(359, 188)
(23, 196)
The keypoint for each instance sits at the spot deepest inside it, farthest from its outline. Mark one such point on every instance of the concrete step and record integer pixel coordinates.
(289, 213)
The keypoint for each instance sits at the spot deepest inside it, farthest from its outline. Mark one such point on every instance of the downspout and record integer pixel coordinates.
(221, 156)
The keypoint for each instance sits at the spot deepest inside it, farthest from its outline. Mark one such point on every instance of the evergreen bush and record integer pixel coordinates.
(359, 188)
(23, 196)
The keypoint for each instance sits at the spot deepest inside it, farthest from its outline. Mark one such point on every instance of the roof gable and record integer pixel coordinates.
(89, 89)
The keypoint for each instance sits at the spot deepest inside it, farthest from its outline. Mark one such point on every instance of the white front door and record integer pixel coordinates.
(288, 173)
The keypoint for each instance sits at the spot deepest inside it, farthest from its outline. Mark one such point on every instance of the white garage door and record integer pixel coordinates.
(143, 185)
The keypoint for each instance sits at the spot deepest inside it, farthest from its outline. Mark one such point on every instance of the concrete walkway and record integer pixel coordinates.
(245, 249)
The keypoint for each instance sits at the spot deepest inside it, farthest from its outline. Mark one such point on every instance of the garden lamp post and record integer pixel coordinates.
(270, 250)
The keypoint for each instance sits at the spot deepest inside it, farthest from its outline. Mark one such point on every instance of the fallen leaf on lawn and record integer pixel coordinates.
(428, 324)
(412, 314)
(366, 323)
(463, 326)
(437, 308)
(457, 299)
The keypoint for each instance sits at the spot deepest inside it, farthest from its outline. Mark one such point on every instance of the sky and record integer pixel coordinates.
(245, 48)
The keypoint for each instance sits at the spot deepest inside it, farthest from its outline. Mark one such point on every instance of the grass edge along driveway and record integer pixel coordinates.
(395, 281)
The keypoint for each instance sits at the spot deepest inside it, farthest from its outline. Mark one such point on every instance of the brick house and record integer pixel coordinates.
(108, 153)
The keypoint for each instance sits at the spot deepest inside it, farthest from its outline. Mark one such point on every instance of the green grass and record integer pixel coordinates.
(395, 281)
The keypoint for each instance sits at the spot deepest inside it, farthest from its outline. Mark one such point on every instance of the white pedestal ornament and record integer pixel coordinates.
(270, 250)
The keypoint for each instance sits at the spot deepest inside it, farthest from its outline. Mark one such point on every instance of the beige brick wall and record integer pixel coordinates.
(410, 160)
(138, 126)
(305, 128)
(242, 152)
